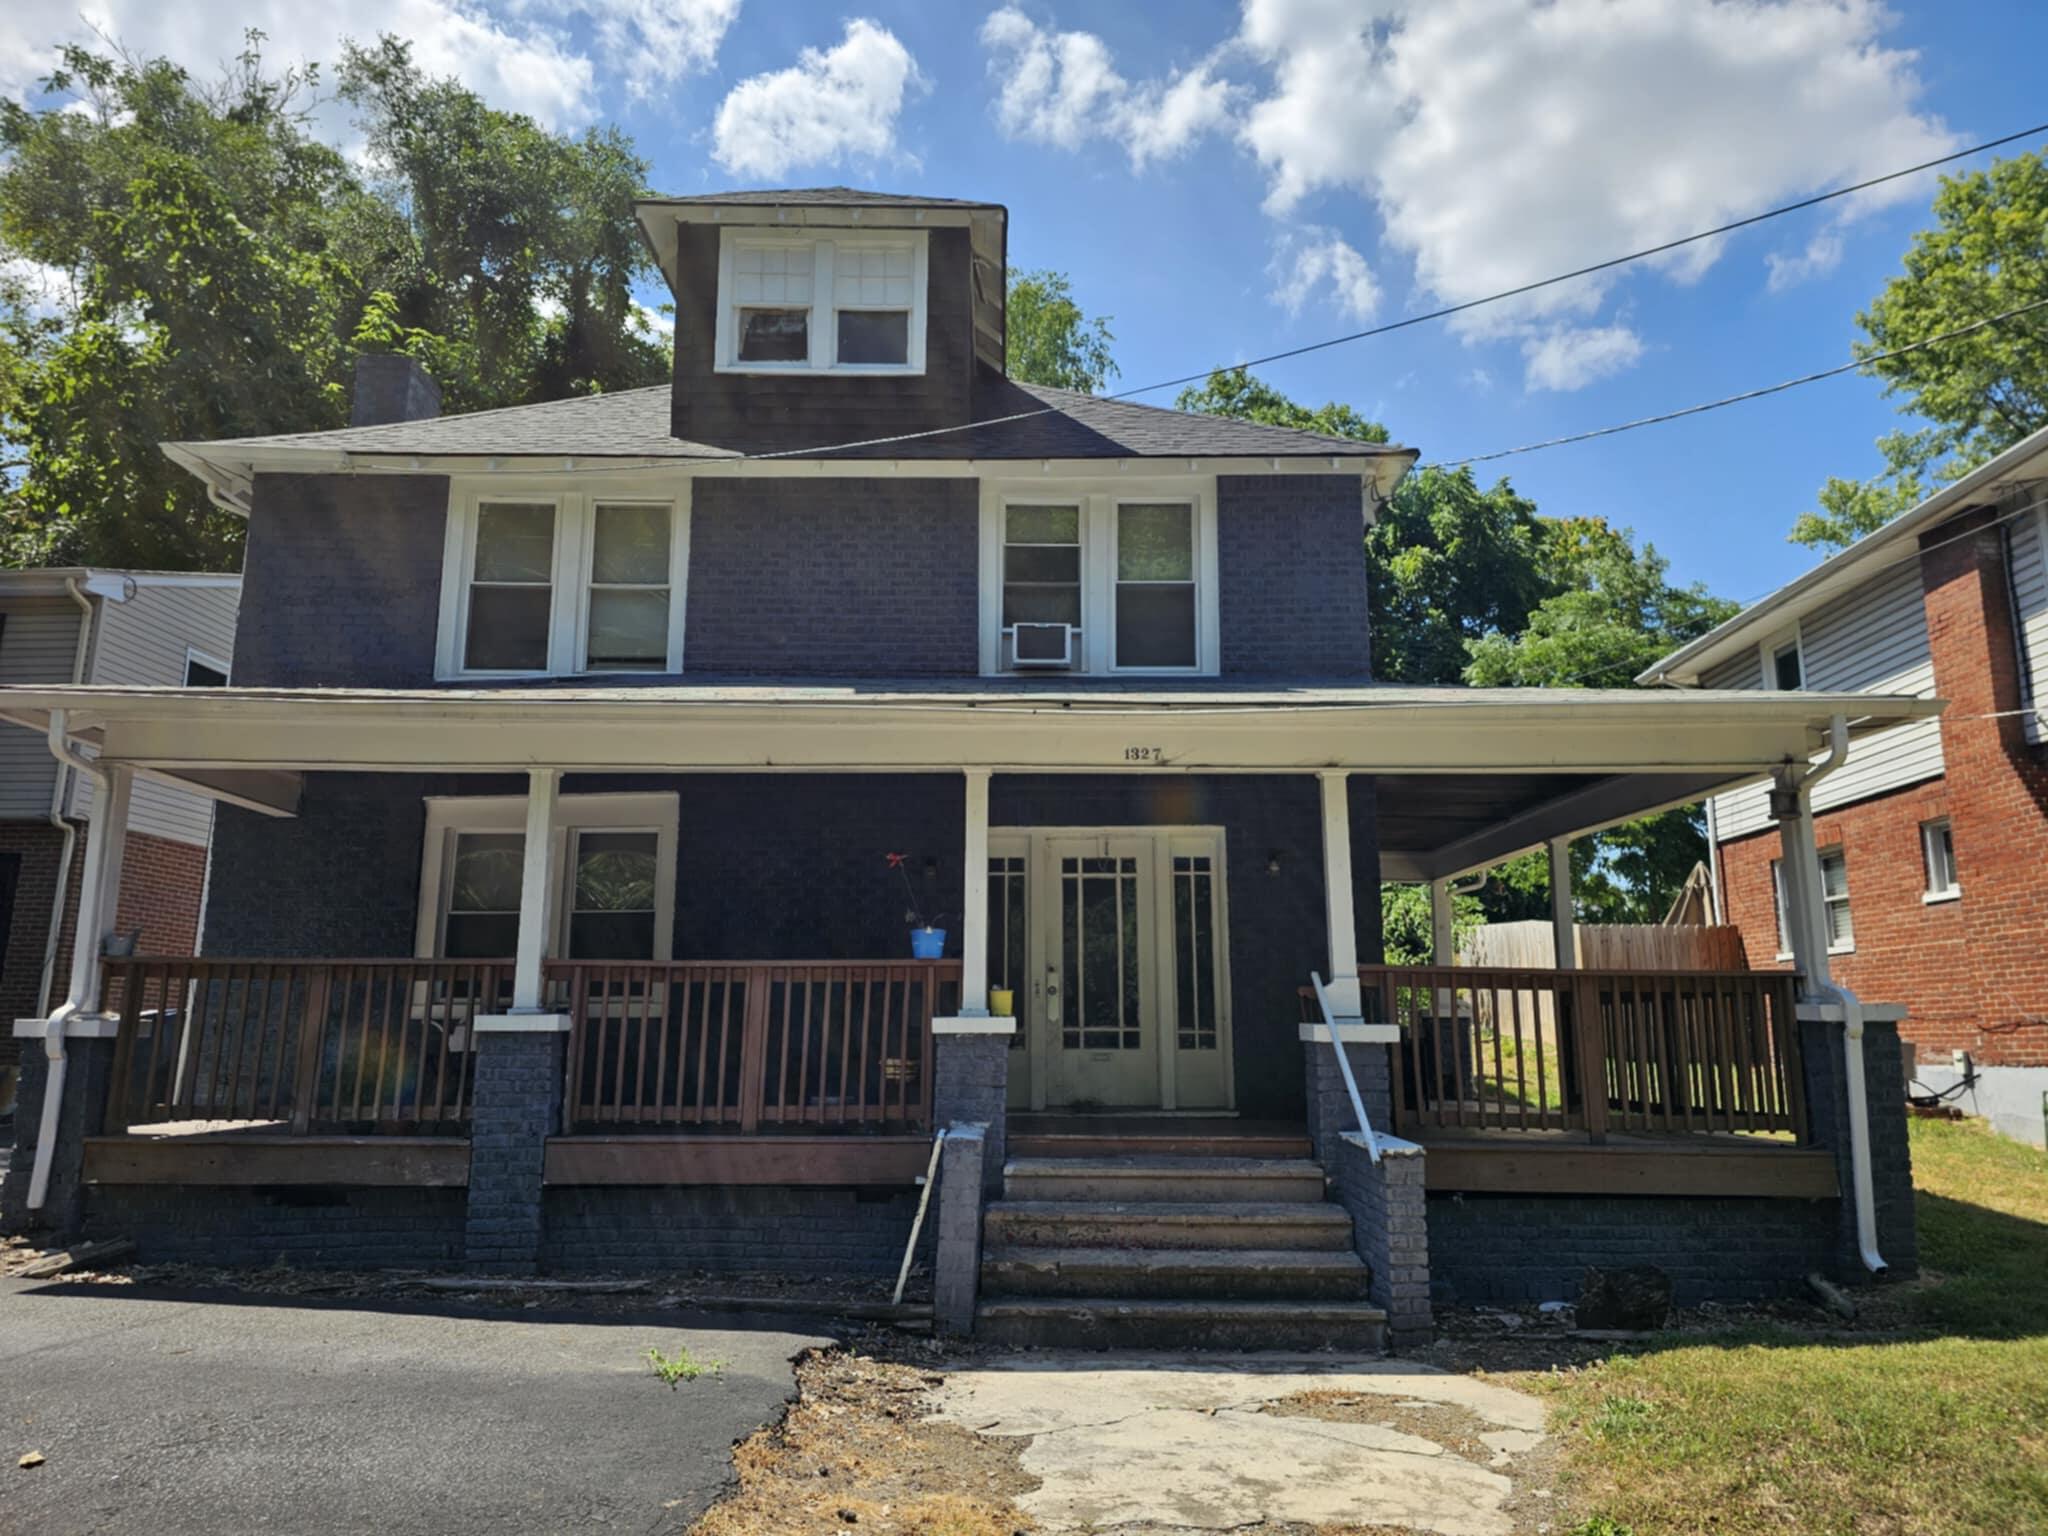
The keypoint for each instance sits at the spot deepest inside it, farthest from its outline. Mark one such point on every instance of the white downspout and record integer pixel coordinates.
(58, 795)
(54, 1025)
(1821, 989)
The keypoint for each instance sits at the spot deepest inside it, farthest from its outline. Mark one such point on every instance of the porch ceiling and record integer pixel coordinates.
(1469, 774)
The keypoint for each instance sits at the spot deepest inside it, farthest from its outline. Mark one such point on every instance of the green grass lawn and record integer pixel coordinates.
(1937, 1424)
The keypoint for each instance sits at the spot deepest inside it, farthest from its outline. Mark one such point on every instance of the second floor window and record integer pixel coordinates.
(559, 585)
(1834, 890)
(848, 302)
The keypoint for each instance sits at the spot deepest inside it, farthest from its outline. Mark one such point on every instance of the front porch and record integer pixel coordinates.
(551, 1083)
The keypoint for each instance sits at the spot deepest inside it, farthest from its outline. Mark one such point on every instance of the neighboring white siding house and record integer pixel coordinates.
(38, 644)
(151, 639)
(2027, 559)
(1871, 639)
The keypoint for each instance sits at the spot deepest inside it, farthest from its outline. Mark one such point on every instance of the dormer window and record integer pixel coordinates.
(848, 302)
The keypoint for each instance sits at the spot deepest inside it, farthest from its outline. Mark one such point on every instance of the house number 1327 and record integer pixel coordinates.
(1144, 755)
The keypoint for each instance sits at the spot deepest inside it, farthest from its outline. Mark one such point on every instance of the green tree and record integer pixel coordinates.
(1050, 341)
(216, 269)
(1238, 392)
(1987, 252)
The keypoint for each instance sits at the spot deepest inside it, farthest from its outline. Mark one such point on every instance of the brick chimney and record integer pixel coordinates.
(392, 388)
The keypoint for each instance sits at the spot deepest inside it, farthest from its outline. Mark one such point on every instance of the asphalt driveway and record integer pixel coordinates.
(239, 1413)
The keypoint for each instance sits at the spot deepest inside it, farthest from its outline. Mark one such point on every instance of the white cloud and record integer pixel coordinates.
(833, 104)
(1822, 255)
(1503, 141)
(517, 56)
(1571, 357)
(1320, 259)
(1062, 88)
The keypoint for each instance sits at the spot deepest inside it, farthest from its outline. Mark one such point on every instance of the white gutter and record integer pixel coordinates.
(57, 798)
(54, 1026)
(1831, 999)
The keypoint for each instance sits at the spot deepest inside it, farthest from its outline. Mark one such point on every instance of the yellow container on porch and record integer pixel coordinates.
(1002, 1002)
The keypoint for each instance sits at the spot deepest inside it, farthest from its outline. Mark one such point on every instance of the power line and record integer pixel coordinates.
(1746, 395)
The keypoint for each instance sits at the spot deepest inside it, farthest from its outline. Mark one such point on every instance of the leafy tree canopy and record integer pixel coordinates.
(1050, 341)
(1987, 252)
(1238, 392)
(207, 267)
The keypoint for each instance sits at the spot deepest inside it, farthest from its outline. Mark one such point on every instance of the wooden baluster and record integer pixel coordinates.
(754, 1049)
(665, 1013)
(1667, 1028)
(1590, 1040)
(923, 1122)
(131, 1023)
(312, 1035)
(803, 978)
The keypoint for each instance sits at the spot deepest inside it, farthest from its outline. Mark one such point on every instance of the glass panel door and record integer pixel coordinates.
(1009, 952)
(1101, 1026)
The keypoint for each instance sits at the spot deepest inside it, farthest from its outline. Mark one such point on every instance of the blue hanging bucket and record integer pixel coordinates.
(927, 943)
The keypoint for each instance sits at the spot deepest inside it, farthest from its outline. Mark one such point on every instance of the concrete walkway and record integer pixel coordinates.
(230, 1413)
(1194, 1442)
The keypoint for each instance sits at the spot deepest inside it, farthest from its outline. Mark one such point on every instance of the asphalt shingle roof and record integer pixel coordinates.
(821, 197)
(1014, 421)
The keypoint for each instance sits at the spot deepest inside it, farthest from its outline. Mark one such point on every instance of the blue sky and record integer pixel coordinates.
(1225, 181)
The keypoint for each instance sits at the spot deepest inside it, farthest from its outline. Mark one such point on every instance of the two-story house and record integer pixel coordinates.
(72, 626)
(1933, 839)
(662, 828)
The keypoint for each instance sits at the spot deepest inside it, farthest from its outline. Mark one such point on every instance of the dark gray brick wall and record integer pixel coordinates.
(1523, 1248)
(1390, 1226)
(768, 412)
(729, 1229)
(1891, 1158)
(1290, 552)
(834, 578)
(971, 1077)
(313, 1227)
(1330, 1114)
(88, 1072)
(516, 1105)
(956, 1266)
(341, 581)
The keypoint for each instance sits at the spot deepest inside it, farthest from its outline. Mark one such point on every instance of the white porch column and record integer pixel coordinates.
(539, 882)
(1563, 918)
(1443, 938)
(1339, 912)
(1799, 868)
(99, 891)
(974, 900)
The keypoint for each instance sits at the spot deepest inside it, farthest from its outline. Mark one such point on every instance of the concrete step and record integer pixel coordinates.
(1291, 1224)
(1181, 1180)
(1157, 1143)
(1112, 1323)
(1180, 1274)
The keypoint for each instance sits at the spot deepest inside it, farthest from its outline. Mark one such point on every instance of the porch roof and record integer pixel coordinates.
(1467, 775)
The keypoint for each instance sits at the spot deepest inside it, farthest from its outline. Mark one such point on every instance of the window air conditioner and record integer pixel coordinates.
(1047, 647)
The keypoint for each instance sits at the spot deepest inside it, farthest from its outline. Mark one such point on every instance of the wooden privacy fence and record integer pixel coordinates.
(1661, 1053)
(752, 1047)
(320, 1046)
(1608, 947)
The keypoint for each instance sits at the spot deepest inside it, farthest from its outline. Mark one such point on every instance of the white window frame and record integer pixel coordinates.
(1099, 504)
(1835, 946)
(192, 654)
(1931, 828)
(569, 605)
(1767, 654)
(824, 321)
(449, 816)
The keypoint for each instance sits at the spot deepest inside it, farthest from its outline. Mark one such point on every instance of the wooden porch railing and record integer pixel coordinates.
(322, 1046)
(752, 1047)
(1663, 1053)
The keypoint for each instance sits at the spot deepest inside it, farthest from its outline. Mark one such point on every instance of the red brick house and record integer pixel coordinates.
(1932, 835)
(80, 626)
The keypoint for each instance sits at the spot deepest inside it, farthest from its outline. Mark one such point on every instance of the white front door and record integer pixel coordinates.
(1111, 944)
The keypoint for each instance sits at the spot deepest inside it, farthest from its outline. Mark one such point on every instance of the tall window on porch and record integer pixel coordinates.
(629, 588)
(1194, 951)
(483, 896)
(511, 588)
(1006, 937)
(612, 901)
(1155, 584)
(1099, 948)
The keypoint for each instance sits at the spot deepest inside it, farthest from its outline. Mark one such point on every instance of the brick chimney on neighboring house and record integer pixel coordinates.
(392, 388)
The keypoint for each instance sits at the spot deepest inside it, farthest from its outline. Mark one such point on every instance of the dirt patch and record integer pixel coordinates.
(854, 1455)
(1454, 1428)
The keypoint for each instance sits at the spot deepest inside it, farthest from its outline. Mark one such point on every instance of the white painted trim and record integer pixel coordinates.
(974, 1024)
(823, 325)
(1390, 1146)
(1099, 502)
(1834, 1013)
(1564, 934)
(1339, 914)
(192, 654)
(974, 899)
(447, 815)
(77, 1026)
(525, 1023)
(1352, 1032)
(575, 501)
(1937, 898)
(540, 878)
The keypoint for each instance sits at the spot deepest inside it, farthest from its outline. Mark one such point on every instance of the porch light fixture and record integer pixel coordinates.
(1273, 863)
